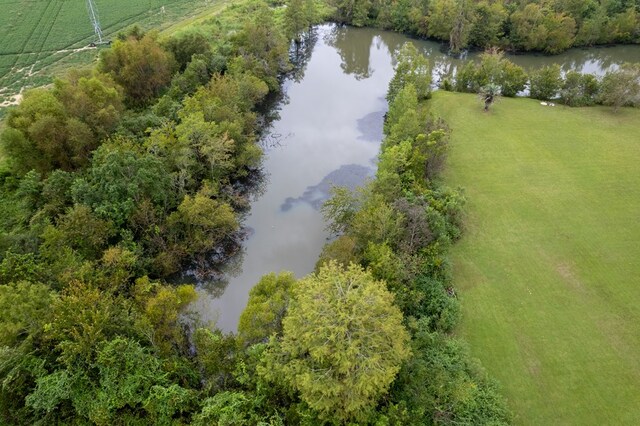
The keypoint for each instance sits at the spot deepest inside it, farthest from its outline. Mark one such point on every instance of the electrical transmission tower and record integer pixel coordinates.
(93, 15)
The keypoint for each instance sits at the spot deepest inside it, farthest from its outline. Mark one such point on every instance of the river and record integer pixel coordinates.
(329, 132)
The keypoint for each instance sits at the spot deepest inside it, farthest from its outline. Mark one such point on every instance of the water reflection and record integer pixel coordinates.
(354, 51)
(349, 175)
(354, 47)
(300, 53)
(371, 126)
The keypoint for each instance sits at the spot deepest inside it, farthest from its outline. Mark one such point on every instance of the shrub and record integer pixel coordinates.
(545, 82)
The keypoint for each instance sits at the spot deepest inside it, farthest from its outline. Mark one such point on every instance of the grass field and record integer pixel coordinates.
(38, 35)
(549, 267)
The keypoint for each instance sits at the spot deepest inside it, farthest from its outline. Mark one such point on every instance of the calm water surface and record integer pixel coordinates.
(329, 132)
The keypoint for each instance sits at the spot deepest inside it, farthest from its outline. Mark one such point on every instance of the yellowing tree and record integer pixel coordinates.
(343, 342)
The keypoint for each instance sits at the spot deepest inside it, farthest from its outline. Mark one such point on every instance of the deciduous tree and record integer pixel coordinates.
(343, 342)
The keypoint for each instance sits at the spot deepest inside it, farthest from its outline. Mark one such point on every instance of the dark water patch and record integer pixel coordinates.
(349, 176)
(371, 126)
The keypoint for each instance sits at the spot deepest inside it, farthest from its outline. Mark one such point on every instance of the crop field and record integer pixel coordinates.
(38, 34)
(548, 268)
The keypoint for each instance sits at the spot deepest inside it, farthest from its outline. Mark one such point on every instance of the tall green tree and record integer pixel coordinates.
(412, 67)
(120, 178)
(186, 44)
(261, 48)
(266, 308)
(59, 128)
(141, 66)
(343, 343)
(298, 17)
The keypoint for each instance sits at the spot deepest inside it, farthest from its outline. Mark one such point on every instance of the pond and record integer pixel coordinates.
(328, 133)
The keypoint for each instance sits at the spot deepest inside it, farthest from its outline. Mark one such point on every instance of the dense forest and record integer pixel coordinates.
(118, 177)
(551, 26)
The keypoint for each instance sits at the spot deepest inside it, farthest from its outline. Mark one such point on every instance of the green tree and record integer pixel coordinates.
(59, 128)
(343, 342)
(225, 408)
(161, 307)
(81, 230)
(621, 87)
(119, 179)
(514, 79)
(140, 65)
(201, 222)
(267, 306)
(129, 386)
(536, 27)
(94, 99)
(261, 48)
(442, 382)
(35, 135)
(186, 44)
(217, 355)
(354, 12)
(441, 18)
(462, 25)
(412, 68)
(25, 308)
(403, 119)
(488, 21)
(579, 89)
(545, 82)
(298, 18)
(495, 69)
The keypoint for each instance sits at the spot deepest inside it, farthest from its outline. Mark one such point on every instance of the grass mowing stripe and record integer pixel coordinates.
(548, 266)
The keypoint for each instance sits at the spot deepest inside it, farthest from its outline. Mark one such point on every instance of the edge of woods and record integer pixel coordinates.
(117, 177)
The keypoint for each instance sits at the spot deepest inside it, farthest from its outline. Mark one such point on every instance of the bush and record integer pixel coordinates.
(513, 80)
(579, 89)
(621, 87)
(466, 78)
(545, 82)
(442, 308)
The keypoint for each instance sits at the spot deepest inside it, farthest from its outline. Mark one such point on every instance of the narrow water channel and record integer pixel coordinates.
(329, 132)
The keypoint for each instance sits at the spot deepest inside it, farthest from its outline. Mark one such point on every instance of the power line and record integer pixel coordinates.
(93, 16)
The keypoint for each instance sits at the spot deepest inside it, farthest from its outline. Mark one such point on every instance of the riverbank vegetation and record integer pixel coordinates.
(551, 27)
(550, 243)
(494, 73)
(617, 88)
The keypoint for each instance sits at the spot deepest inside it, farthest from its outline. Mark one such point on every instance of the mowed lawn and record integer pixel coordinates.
(548, 269)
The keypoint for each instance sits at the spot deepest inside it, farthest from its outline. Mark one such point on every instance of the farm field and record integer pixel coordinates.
(38, 35)
(548, 268)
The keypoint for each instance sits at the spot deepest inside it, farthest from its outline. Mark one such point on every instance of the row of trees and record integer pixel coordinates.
(549, 26)
(619, 87)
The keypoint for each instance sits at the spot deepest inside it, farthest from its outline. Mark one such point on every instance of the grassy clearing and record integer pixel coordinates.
(41, 37)
(548, 268)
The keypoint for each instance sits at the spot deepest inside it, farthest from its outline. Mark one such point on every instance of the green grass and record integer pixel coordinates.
(39, 36)
(549, 267)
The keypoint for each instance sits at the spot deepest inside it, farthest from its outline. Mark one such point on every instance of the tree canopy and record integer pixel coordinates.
(342, 344)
